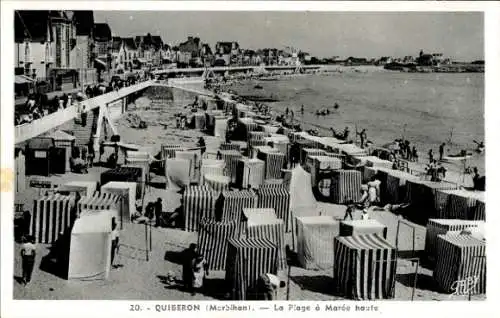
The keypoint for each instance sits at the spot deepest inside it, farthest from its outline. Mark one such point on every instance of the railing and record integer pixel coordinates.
(37, 127)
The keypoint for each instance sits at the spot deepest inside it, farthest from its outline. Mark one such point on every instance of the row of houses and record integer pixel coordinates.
(48, 43)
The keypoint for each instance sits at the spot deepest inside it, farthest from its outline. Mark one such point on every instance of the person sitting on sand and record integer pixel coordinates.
(393, 208)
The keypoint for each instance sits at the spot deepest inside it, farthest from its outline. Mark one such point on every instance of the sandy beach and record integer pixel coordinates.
(138, 278)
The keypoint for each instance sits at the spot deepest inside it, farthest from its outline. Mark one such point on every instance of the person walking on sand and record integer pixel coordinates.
(431, 156)
(441, 151)
(101, 150)
(302, 110)
(188, 256)
(28, 254)
(115, 240)
(158, 210)
(349, 210)
(414, 154)
(362, 136)
(200, 270)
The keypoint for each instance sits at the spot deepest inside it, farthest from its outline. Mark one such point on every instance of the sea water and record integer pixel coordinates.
(425, 108)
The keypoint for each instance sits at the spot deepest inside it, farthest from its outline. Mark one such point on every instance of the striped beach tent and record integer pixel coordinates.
(263, 223)
(127, 190)
(247, 259)
(309, 152)
(168, 151)
(230, 204)
(231, 158)
(274, 162)
(103, 201)
(364, 267)
(437, 227)
(249, 173)
(279, 142)
(52, 215)
(217, 182)
(230, 146)
(360, 227)
(315, 235)
(126, 174)
(346, 185)
(252, 144)
(321, 164)
(460, 257)
(461, 204)
(85, 188)
(257, 135)
(393, 185)
(422, 195)
(276, 197)
(212, 241)
(480, 210)
(198, 202)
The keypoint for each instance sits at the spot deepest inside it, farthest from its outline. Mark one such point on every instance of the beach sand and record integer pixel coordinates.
(140, 279)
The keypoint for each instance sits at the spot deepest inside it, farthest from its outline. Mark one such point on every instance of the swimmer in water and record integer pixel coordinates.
(336, 106)
(480, 146)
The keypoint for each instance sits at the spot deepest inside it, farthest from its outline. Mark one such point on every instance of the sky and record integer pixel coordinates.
(459, 35)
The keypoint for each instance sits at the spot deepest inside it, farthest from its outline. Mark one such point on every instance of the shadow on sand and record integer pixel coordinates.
(212, 288)
(424, 282)
(317, 284)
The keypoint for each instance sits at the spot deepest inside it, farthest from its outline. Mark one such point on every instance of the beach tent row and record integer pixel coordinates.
(461, 204)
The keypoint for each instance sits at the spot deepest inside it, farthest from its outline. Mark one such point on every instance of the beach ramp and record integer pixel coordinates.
(90, 248)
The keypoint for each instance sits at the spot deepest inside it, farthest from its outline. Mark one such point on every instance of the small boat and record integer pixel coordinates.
(457, 158)
(258, 86)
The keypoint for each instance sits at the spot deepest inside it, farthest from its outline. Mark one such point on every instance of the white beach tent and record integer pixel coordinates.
(302, 200)
(315, 241)
(90, 249)
(128, 192)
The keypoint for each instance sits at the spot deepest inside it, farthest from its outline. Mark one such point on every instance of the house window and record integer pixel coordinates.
(47, 51)
(129, 55)
(121, 59)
